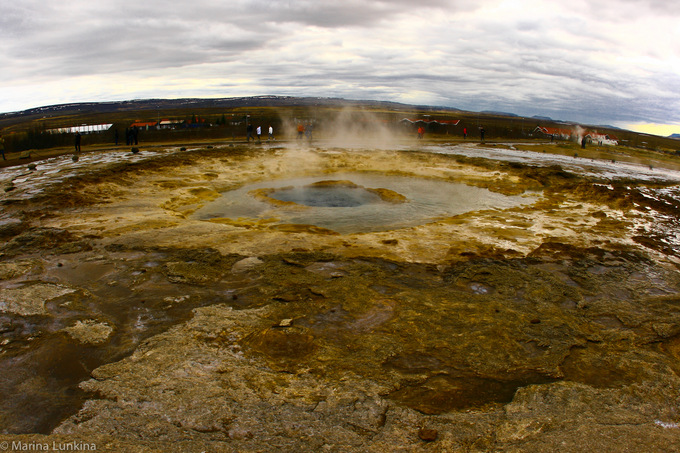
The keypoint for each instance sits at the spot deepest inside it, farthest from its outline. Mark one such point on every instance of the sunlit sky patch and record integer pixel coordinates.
(614, 62)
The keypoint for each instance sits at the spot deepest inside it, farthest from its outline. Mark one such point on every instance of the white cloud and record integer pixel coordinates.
(602, 61)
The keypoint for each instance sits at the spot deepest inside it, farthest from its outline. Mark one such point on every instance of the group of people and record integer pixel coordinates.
(258, 133)
(131, 136)
(305, 131)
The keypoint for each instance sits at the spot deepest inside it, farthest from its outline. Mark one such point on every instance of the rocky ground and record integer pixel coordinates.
(128, 324)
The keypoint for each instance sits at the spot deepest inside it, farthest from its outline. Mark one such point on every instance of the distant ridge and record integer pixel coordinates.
(493, 112)
(154, 104)
(141, 105)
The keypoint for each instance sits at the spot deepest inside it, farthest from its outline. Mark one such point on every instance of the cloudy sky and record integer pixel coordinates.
(593, 61)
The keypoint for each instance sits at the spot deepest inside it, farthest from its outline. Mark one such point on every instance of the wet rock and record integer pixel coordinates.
(89, 331)
(285, 322)
(328, 269)
(30, 299)
(666, 330)
(237, 433)
(44, 239)
(282, 346)
(175, 300)
(13, 269)
(11, 227)
(378, 314)
(585, 419)
(206, 393)
(600, 366)
(335, 183)
(191, 272)
(301, 228)
(428, 435)
(389, 196)
(246, 264)
(73, 247)
(444, 393)
(291, 295)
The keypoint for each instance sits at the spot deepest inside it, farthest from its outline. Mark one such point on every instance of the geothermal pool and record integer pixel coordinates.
(351, 205)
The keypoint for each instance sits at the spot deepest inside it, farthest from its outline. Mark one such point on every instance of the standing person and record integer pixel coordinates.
(421, 132)
(481, 134)
(259, 133)
(78, 136)
(249, 132)
(135, 135)
(301, 131)
(271, 133)
(464, 133)
(2, 147)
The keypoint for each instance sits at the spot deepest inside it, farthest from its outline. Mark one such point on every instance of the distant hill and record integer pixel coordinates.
(198, 103)
(493, 112)
(141, 105)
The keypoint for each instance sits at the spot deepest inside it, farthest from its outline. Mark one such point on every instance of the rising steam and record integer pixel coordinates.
(348, 128)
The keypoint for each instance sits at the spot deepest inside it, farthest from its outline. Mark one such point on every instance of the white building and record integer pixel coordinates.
(83, 129)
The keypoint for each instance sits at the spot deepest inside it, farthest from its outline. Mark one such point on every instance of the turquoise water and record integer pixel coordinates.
(349, 210)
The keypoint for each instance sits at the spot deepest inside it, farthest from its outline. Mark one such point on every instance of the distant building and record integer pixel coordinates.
(169, 124)
(554, 132)
(144, 124)
(602, 139)
(571, 134)
(83, 129)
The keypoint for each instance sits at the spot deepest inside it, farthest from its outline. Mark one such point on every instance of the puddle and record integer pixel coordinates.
(445, 393)
(365, 203)
(37, 388)
(46, 355)
(597, 367)
(611, 170)
(56, 169)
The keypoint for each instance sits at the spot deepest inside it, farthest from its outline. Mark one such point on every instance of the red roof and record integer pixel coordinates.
(556, 131)
(143, 124)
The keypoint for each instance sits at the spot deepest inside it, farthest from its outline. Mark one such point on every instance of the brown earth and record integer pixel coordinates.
(553, 326)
